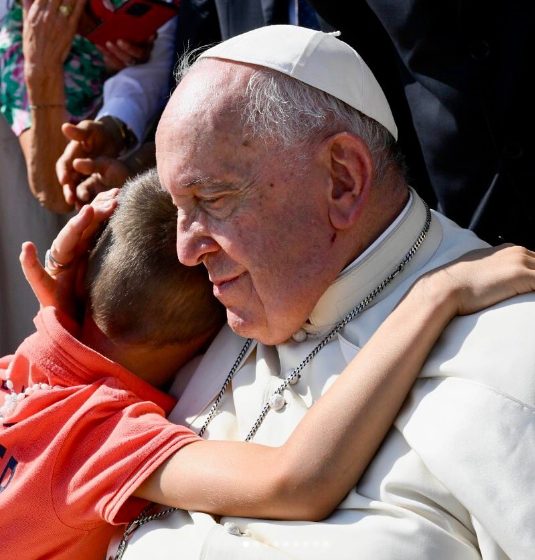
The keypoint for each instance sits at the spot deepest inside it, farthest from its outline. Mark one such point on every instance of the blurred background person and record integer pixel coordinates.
(50, 74)
(90, 163)
(457, 75)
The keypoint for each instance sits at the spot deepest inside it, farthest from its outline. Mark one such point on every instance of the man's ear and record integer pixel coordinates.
(351, 170)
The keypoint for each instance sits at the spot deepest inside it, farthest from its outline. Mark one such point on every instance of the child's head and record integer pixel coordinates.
(140, 294)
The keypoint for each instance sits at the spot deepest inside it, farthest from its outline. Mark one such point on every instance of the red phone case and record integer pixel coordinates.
(135, 21)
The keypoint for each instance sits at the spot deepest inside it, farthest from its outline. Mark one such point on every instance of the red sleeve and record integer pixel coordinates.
(111, 449)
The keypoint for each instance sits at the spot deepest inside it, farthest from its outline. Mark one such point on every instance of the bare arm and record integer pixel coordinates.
(309, 475)
(47, 37)
(43, 143)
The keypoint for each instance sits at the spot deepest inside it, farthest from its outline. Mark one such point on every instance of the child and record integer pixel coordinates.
(90, 429)
(84, 435)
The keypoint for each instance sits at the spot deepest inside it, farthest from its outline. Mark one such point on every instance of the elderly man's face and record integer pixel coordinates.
(254, 216)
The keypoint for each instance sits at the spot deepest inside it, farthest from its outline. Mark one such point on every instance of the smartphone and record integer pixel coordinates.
(135, 20)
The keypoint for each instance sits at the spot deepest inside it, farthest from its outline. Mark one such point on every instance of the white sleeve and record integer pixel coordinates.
(191, 536)
(4, 8)
(482, 448)
(137, 93)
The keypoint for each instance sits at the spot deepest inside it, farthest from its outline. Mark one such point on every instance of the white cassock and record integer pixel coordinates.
(455, 477)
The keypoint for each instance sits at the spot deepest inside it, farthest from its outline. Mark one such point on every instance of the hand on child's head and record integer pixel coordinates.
(60, 287)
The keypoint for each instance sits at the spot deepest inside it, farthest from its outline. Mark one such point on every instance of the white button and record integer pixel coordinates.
(232, 529)
(300, 335)
(277, 402)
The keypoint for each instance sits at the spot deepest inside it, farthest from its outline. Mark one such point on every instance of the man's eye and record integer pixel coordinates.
(216, 202)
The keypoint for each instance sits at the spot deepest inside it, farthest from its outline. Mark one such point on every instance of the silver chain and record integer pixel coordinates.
(295, 374)
(233, 369)
(141, 519)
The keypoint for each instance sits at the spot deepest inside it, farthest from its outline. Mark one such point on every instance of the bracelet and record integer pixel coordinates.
(46, 106)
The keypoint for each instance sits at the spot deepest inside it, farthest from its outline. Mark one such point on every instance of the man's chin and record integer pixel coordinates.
(255, 329)
(241, 325)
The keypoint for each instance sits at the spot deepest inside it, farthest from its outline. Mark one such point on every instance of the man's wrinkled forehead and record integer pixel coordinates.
(200, 130)
(211, 85)
(204, 107)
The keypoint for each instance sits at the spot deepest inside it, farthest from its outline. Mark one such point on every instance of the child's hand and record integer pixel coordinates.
(482, 278)
(59, 284)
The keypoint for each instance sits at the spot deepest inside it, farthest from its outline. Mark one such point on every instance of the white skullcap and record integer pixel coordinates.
(315, 58)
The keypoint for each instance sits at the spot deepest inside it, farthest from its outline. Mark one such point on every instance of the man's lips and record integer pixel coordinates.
(222, 285)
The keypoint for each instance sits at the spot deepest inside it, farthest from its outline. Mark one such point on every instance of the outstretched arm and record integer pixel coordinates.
(309, 475)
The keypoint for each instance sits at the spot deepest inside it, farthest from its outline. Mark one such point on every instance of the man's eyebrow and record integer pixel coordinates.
(209, 182)
(217, 184)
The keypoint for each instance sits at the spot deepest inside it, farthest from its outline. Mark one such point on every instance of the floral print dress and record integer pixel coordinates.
(84, 75)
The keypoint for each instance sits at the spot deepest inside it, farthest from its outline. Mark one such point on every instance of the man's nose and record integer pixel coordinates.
(193, 243)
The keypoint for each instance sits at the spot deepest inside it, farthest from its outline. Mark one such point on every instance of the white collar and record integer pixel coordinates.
(380, 239)
(353, 284)
(361, 276)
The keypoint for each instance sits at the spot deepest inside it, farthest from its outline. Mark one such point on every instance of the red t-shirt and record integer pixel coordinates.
(71, 456)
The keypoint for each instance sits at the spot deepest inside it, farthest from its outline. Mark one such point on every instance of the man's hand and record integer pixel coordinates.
(87, 139)
(123, 53)
(61, 287)
(103, 173)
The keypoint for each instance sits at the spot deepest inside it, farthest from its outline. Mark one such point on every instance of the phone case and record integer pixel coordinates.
(135, 20)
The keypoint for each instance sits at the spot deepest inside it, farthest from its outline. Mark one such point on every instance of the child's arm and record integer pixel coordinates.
(330, 448)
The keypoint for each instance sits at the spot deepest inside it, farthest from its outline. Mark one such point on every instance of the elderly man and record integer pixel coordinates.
(278, 150)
